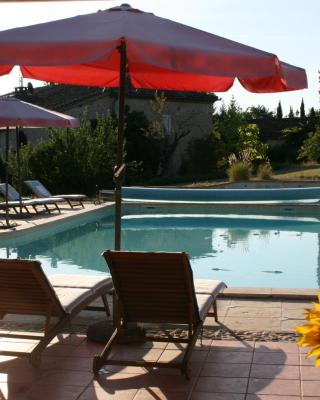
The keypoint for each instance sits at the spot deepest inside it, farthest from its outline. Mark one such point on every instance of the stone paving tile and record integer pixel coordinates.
(310, 373)
(66, 378)
(244, 292)
(254, 312)
(226, 370)
(271, 397)
(155, 345)
(306, 361)
(50, 392)
(288, 387)
(65, 338)
(216, 396)
(67, 363)
(291, 324)
(276, 358)
(132, 354)
(96, 393)
(13, 391)
(177, 383)
(293, 313)
(210, 321)
(59, 350)
(201, 346)
(275, 371)
(304, 350)
(194, 370)
(229, 357)
(232, 345)
(221, 385)
(311, 397)
(252, 324)
(158, 394)
(276, 346)
(296, 304)
(256, 303)
(17, 345)
(310, 388)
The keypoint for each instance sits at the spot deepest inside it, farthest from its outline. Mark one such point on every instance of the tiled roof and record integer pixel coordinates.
(63, 97)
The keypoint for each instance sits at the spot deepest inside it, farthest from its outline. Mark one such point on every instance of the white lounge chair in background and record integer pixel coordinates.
(41, 191)
(15, 203)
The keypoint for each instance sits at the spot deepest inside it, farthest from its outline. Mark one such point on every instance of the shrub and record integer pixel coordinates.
(310, 150)
(239, 171)
(264, 171)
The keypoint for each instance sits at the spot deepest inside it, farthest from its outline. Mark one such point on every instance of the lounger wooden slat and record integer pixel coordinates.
(154, 288)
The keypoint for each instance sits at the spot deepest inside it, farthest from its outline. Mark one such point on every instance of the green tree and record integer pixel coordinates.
(72, 160)
(231, 134)
(312, 113)
(291, 113)
(310, 150)
(293, 139)
(279, 112)
(226, 127)
(251, 144)
(302, 110)
(258, 112)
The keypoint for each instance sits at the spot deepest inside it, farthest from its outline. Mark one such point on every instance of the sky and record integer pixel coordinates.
(288, 28)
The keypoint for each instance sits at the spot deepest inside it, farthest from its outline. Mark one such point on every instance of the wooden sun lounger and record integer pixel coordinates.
(14, 201)
(157, 288)
(25, 289)
(41, 191)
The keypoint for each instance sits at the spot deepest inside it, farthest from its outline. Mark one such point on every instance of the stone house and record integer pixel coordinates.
(187, 111)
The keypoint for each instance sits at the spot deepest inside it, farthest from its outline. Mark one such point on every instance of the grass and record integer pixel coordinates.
(297, 173)
(293, 172)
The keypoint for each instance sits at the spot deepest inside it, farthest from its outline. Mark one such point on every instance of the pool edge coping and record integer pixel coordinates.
(270, 293)
(59, 220)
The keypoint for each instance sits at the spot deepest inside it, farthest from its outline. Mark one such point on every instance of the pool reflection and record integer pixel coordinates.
(241, 251)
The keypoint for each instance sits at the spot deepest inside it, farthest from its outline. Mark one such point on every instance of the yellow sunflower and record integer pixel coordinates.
(310, 332)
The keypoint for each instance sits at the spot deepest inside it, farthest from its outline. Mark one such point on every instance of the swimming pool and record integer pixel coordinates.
(243, 249)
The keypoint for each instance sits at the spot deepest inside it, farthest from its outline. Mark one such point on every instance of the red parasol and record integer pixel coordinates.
(100, 49)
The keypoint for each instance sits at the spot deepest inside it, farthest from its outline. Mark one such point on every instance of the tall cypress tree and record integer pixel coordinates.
(279, 111)
(302, 110)
(291, 113)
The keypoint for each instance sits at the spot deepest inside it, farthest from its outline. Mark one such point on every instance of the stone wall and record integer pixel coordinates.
(195, 117)
(183, 111)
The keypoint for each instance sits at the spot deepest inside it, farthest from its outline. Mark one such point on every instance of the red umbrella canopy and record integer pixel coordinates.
(14, 112)
(160, 54)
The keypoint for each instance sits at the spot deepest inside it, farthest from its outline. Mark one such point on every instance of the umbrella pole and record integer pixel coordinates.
(119, 168)
(6, 176)
(18, 167)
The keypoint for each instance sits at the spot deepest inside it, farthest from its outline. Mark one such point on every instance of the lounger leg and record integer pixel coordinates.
(189, 349)
(106, 305)
(47, 208)
(35, 356)
(57, 207)
(35, 209)
(99, 360)
(215, 310)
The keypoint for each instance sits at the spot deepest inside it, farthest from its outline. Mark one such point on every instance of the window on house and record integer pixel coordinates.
(167, 122)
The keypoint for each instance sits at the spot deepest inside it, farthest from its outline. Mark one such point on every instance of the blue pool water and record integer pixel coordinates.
(243, 250)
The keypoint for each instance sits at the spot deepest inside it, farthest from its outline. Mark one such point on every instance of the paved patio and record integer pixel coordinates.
(221, 369)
